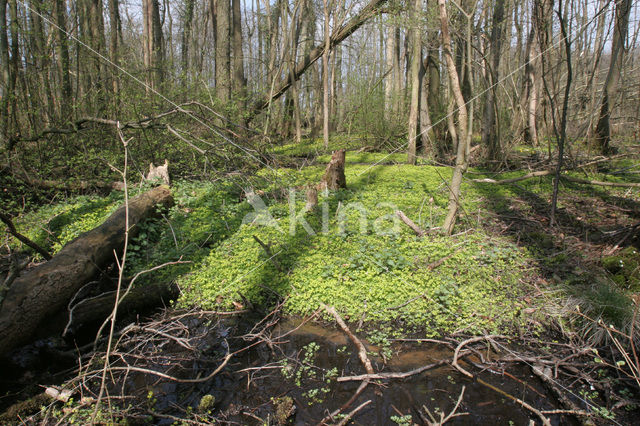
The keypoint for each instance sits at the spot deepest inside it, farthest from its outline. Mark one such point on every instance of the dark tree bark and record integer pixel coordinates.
(115, 36)
(4, 59)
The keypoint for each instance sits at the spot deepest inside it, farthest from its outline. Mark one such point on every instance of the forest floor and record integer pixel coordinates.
(537, 296)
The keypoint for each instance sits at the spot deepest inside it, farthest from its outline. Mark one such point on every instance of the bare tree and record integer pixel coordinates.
(416, 58)
(462, 131)
(490, 136)
(602, 132)
(153, 42)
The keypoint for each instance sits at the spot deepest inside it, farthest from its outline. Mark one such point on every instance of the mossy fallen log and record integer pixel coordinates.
(46, 289)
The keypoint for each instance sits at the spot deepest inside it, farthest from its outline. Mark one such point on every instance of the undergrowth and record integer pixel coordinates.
(354, 260)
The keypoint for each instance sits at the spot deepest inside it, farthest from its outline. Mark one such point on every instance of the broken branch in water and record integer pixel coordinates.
(352, 413)
(456, 354)
(545, 420)
(347, 404)
(362, 351)
(443, 418)
(399, 375)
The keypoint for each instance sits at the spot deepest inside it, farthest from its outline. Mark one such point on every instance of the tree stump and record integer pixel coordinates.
(334, 173)
(312, 198)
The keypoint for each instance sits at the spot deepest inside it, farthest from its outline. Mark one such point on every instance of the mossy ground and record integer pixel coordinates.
(365, 268)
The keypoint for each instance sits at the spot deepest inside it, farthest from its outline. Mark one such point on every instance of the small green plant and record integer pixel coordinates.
(405, 420)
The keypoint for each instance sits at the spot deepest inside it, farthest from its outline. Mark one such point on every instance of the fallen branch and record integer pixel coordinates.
(352, 413)
(386, 376)
(419, 231)
(13, 231)
(347, 404)
(456, 353)
(545, 420)
(362, 351)
(445, 418)
(514, 180)
(601, 183)
(130, 368)
(570, 407)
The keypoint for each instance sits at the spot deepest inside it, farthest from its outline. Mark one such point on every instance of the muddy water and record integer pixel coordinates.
(245, 397)
(290, 369)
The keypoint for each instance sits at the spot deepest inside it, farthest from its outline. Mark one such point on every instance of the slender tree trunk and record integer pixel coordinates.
(153, 42)
(62, 48)
(463, 135)
(426, 126)
(602, 132)
(565, 106)
(416, 58)
(490, 137)
(390, 81)
(239, 82)
(325, 75)
(115, 35)
(187, 24)
(4, 59)
(531, 91)
(223, 51)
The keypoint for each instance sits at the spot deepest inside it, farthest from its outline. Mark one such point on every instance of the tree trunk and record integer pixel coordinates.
(602, 132)
(463, 135)
(115, 35)
(187, 23)
(530, 91)
(390, 81)
(416, 58)
(42, 291)
(426, 126)
(223, 51)
(325, 76)
(490, 137)
(239, 82)
(153, 42)
(4, 59)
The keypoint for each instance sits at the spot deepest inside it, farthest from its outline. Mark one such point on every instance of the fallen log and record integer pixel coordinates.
(47, 288)
(98, 308)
